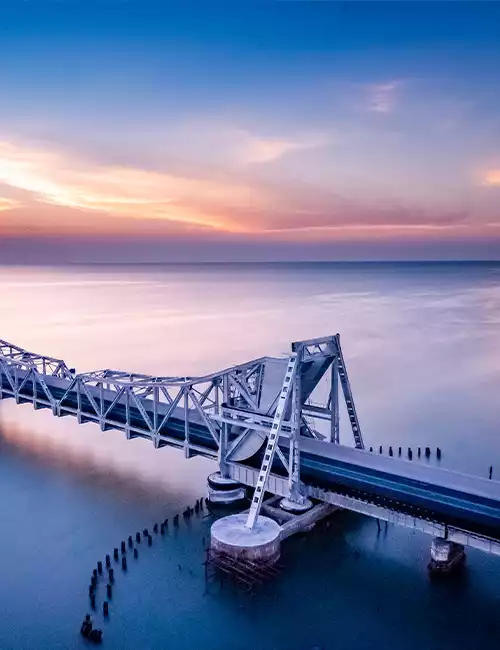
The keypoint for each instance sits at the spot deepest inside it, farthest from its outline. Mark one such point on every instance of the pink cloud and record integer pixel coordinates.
(491, 178)
(62, 193)
(7, 204)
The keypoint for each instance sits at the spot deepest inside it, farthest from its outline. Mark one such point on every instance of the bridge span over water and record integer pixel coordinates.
(271, 424)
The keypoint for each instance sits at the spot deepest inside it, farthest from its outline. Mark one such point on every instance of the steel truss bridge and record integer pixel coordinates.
(271, 424)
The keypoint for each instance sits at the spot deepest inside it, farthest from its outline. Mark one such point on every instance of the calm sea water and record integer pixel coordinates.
(422, 347)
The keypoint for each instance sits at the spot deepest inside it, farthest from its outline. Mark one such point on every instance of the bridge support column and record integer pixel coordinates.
(446, 556)
(260, 545)
(223, 490)
(296, 506)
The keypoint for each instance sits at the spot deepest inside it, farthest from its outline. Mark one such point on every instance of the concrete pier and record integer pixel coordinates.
(229, 535)
(260, 544)
(224, 491)
(294, 506)
(292, 523)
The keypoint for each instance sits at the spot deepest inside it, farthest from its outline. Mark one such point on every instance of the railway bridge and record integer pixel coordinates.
(272, 425)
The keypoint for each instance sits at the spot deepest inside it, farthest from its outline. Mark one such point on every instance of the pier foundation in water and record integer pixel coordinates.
(446, 556)
(260, 545)
(224, 491)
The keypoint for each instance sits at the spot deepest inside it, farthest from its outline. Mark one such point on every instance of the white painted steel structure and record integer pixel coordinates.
(236, 409)
(272, 442)
(238, 405)
(278, 485)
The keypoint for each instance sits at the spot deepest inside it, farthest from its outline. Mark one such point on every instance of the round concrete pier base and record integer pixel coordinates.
(295, 507)
(224, 491)
(261, 544)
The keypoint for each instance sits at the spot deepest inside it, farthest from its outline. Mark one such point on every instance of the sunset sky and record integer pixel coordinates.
(148, 131)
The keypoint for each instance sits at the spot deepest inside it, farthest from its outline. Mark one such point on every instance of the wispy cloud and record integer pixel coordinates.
(382, 97)
(255, 149)
(7, 204)
(58, 192)
(55, 178)
(342, 216)
(229, 202)
(260, 150)
(491, 178)
(221, 143)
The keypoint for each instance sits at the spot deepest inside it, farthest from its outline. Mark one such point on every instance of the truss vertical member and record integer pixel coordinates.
(186, 424)
(294, 455)
(224, 433)
(272, 443)
(349, 400)
(333, 402)
(319, 355)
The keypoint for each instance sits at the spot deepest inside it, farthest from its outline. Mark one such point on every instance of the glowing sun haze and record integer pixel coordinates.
(249, 131)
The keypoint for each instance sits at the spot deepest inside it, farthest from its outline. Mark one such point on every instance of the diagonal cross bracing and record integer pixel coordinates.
(236, 407)
(272, 443)
(349, 400)
(114, 400)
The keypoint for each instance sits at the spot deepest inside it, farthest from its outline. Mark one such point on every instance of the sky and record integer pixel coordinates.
(195, 131)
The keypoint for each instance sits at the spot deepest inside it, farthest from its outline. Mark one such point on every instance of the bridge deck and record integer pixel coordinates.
(467, 502)
(443, 495)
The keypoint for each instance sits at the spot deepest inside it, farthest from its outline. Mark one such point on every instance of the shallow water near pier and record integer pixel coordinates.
(421, 344)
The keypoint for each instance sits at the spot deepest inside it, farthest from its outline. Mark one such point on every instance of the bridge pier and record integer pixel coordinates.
(446, 556)
(296, 506)
(224, 491)
(261, 544)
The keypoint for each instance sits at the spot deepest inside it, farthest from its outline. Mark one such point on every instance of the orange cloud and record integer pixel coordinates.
(492, 177)
(7, 204)
(57, 179)
(54, 192)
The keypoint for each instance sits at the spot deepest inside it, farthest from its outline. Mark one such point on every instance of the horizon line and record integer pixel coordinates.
(246, 262)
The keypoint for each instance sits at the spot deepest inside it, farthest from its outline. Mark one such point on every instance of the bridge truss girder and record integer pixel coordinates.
(229, 403)
(22, 359)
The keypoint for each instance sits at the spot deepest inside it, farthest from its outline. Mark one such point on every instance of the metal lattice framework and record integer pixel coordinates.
(236, 405)
(17, 357)
(227, 415)
(273, 441)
